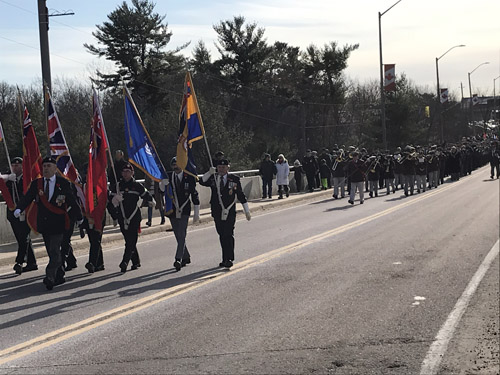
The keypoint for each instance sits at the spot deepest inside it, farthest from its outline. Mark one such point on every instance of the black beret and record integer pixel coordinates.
(223, 162)
(219, 153)
(128, 166)
(16, 160)
(49, 159)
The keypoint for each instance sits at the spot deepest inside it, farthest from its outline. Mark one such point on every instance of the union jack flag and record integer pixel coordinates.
(59, 149)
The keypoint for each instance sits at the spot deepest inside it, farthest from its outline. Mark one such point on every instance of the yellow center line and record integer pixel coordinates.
(51, 338)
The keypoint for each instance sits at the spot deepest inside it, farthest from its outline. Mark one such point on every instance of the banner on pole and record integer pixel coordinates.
(390, 77)
(444, 96)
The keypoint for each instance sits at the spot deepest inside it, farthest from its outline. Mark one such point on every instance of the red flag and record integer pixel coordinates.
(444, 96)
(6, 195)
(390, 77)
(32, 164)
(96, 188)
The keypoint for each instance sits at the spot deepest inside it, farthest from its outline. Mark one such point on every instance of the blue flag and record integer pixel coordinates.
(140, 148)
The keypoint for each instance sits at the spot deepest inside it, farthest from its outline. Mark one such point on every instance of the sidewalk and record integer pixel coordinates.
(112, 234)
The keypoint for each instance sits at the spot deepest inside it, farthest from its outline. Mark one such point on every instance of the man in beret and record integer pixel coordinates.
(56, 205)
(20, 227)
(127, 204)
(226, 187)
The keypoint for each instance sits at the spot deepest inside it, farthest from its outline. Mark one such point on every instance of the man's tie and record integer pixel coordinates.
(47, 191)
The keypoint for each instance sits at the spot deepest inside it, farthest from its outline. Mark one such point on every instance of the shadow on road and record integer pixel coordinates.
(86, 292)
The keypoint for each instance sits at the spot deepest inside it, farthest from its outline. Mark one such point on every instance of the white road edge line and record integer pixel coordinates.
(436, 352)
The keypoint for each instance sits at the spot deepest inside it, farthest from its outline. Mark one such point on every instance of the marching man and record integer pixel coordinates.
(226, 188)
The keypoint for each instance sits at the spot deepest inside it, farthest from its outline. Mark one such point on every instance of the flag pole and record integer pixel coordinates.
(199, 115)
(5, 144)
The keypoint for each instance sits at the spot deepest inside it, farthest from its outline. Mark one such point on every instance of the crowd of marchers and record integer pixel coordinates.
(352, 169)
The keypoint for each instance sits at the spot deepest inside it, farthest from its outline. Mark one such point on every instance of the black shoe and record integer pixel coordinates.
(148, 223)
(100, 268)
(376, 194)
(221, 264)
(90, 267)
(177, 265)
(270, 197)
(60, 281)
(162, 221)
(361, 202)
(48, 283)
(69, 267)
(135, 266)
(335, 197)
(123, 267)
(185, 261)
(371, 194)
(30, 267)
(350, 201)
(280, 197)
(18, 269)
(228, 264)
(287, 195)
(406, 194)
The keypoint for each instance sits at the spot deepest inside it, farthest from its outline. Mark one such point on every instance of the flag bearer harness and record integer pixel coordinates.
(178, 210)
(225, 210)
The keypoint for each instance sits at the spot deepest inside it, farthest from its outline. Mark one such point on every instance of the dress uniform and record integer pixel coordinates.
(183, 187)
(56, 207)
(19, 225)
(356, 170)
(225, 188)
(128, 213)
(96, 259)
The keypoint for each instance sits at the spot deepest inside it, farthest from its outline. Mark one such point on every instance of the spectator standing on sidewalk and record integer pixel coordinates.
(267, 171)
(298, 172)
(283, 170)
(324, 171)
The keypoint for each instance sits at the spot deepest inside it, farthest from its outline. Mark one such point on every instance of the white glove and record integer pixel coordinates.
(247, 211)
(17, 213)
(164, 183)
(79, 222)
(152, 203)
(117, 199)
(196, 214)
(207, 175)
(12, 177)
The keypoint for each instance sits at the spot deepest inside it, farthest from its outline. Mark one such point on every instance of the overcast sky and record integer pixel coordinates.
(414, 33)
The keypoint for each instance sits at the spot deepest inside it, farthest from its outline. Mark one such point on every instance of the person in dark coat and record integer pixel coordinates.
(267, 171)
(454, 164)
(298, 173)
(19, 225)
(56, 205)
(225, 187)
(356, 169)
(311, 168)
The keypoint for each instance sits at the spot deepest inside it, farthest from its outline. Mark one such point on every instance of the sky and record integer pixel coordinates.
(414, 34)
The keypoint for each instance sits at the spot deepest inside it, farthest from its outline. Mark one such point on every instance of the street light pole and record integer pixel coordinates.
(494, 99)
(470, 97)
(382, 93)
(440, 119)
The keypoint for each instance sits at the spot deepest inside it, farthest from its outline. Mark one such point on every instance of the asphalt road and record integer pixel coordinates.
(322, 287)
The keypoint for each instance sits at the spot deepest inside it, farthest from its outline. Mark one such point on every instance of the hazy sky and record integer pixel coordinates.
(414, 33)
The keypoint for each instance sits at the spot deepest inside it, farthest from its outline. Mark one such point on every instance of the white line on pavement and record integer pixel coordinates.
(432, 361)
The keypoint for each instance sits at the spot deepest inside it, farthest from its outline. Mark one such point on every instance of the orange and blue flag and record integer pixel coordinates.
(190, 128)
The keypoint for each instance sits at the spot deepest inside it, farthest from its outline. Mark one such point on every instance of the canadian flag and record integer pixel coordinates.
(444, 95)
(390, 77)
(475, 99)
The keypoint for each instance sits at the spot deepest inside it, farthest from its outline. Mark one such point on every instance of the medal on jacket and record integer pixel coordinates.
(60, 200)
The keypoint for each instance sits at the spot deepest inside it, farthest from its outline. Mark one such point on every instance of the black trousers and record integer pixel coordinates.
(131, 234)
(298, 183)
(225, 229)
(267, 187)
(95, 253)
(54, 270)
(66, 247)
(311, 181)
(24, 248)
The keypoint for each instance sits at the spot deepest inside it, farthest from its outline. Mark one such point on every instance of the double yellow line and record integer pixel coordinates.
(44, 341)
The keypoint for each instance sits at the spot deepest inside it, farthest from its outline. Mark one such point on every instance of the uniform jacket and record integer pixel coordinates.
(340, 169)
(184, 188)
(131, 191)
(52, 219)
(231, 189)
(310, 165)
(421, 167)
(356, 170)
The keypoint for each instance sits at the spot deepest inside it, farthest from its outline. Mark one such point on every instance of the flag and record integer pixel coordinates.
(169, 200)
(60, 151)
(96, 187)
(390, 77)
(32, 164)
(475, 99)
(444, 96)
(1, 132)
(190, 128)
(140, 148)
(3, 186)
(427, 111)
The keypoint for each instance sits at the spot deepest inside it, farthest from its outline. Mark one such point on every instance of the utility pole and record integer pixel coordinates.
(43, 27)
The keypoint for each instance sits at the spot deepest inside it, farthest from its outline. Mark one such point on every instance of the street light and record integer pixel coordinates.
(494, 99)
(470, 96)
(439, 91)
(382, 94)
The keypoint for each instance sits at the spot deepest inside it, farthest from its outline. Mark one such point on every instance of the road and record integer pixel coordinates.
(321, 287)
